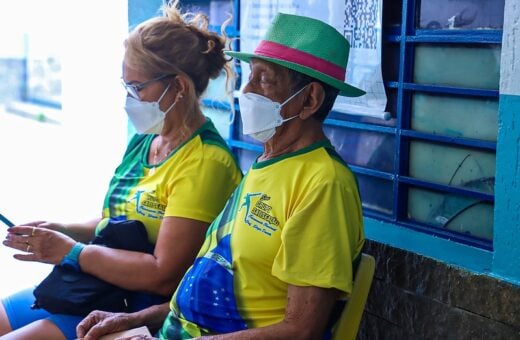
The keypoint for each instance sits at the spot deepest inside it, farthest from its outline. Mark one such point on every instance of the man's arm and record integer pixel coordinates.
(306, 316)
(100, 323)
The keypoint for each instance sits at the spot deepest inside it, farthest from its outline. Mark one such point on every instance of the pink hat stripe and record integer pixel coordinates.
(272, 49)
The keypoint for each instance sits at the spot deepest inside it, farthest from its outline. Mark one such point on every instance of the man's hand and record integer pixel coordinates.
(99, 323)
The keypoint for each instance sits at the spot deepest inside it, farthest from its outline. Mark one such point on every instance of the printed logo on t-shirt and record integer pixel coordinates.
(258, 213)
(147, 204)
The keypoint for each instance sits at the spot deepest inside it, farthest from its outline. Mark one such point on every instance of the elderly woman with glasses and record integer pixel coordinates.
(175, 177)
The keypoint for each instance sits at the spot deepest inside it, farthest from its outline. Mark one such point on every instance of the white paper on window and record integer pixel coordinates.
(358, 20)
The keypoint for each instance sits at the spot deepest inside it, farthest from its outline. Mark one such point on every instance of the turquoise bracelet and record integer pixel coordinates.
(71, 260)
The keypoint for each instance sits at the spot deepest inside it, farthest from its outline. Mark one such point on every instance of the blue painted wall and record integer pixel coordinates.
(140, 10)
(506, 261)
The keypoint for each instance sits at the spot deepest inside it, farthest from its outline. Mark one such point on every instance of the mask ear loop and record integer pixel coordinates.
(174, 102)
(233, 115)
(164, 93)
(231, 96)
(171, 107)
(286, 101)
(291, 97)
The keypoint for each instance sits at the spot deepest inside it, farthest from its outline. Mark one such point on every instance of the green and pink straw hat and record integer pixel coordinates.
(308, 46)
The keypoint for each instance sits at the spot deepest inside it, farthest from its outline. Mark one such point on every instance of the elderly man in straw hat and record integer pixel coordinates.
(281, 255)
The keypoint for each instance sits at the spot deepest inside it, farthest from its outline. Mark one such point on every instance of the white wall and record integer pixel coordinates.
(510, 63)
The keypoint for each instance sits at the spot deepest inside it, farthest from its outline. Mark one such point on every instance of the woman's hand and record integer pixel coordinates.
(62, 228)
(99, 323)
(49, 225)
(39, 243)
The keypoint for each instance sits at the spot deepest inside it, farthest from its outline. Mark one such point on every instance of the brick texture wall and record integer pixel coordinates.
(415, 297)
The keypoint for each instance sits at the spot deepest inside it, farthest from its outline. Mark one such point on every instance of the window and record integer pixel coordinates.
(431, 167)
(62, 120)
(442, 75)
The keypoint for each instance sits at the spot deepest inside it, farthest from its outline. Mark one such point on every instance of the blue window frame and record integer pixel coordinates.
(431, 167)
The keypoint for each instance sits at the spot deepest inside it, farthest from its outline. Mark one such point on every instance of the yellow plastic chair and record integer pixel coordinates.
(348, 324)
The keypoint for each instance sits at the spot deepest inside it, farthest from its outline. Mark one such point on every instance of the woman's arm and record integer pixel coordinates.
(177, 245)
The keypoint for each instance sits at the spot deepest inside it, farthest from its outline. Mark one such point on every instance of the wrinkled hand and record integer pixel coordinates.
(99, 323)
(39, 242)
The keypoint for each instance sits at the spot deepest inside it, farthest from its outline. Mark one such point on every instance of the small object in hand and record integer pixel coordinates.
(142, 332)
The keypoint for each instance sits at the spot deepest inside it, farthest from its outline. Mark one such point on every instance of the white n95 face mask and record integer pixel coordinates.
(146, 117)
(261, 116)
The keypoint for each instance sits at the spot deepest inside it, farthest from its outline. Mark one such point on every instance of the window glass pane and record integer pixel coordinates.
(390, 61)
(371, 120)
(219, 11)
(376, 193)
(220, 119)
(455, 65)
(215, 95)
(463, 167)
(391, 105)
(30, 61)
(246, 158)
(392, 13)
(43, 68)
(196, 6)
(12, 70)
(461, 14)
(363, 148)
(452, 212)
(455, 116)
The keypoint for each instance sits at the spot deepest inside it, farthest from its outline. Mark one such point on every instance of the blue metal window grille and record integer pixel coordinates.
(388, 189)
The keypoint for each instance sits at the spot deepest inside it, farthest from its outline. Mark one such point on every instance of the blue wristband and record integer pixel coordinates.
(71, 260)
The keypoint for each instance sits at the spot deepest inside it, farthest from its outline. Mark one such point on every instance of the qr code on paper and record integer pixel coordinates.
(360, 22)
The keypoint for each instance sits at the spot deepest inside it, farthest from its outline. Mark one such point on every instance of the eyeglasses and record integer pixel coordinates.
(134, 89)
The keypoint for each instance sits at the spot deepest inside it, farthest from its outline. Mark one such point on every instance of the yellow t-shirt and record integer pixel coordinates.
(295, 220)
(194, 181)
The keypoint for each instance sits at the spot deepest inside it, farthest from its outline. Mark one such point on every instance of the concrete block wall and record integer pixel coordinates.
(416, 297)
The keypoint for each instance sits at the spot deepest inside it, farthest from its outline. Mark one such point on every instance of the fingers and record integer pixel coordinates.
(33, 223)
(96, 324)
(20, 242)
(31, 257)
(83, 327)
(39, 244)
(24, 230)
(22, 235)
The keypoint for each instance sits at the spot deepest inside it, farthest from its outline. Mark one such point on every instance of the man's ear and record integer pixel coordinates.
(314, 97)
